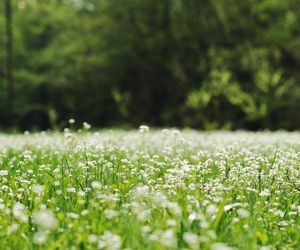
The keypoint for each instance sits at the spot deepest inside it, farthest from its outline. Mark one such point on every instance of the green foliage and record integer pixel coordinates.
(217, 64)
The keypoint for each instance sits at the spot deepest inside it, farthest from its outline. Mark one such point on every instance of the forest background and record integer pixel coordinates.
(217, 64)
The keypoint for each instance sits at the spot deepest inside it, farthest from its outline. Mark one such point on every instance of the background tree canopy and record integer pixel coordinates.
(188, 63)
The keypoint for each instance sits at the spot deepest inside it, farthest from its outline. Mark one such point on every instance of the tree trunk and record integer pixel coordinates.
(9, 61)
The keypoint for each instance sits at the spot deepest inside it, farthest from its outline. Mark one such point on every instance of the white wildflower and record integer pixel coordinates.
(220, 246)
(71, 121)
(265, 192)
(3, 172)
(96, 185)
(109, 241)
(86, 126)
(44, 219)
(243, 213)
(143, 128)
(168, 239)
(73, 215)
(84, 212)
(71, 190)
(92, 238)
(110, 213)
(192, 240)
(38, 189)
(13, 228)
(18, 211)
(230, 206)
(40, 237)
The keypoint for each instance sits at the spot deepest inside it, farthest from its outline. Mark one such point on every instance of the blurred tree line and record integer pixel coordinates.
(190, 63)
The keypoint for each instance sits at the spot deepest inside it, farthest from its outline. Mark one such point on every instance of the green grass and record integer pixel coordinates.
(150, 190)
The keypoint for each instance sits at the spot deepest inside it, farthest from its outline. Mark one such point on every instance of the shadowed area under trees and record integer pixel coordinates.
(218, 64)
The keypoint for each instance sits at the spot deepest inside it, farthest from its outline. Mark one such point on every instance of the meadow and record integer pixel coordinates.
(145, 189)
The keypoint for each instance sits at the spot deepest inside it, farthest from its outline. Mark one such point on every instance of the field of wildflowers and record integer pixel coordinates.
(146, 189)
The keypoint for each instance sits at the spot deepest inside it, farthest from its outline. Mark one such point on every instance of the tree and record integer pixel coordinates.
(9, 59)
